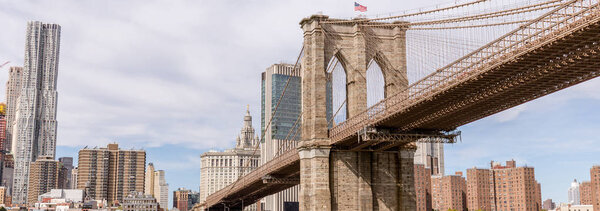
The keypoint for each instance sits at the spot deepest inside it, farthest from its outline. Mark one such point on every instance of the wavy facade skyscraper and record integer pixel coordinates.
(34, 132)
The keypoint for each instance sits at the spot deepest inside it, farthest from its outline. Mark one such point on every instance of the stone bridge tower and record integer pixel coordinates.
(338, 179)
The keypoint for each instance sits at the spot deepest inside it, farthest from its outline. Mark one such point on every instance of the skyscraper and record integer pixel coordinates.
(34, 132)
(13, 90)
(161, 189)
(149, 180)
(574, 193)
(432, 156)
(219, 169)
(281, 133)
(111, 173)
(156, 185)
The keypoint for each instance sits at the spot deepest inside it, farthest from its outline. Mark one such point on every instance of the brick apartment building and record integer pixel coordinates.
(480, 189)
(585, 193)
(506, 188)
(423, 187)
(111, 173)
(449, 192)
(595, 181)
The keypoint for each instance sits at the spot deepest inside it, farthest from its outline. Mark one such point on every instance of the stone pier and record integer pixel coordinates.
(338, 179)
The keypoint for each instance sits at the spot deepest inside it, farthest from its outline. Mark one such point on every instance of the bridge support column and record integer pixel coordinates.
(366, 180)
(407, 196)
(314, 179)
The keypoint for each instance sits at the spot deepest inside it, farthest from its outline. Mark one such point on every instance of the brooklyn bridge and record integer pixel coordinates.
(442, 68)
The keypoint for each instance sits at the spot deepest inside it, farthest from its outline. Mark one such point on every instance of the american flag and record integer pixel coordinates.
(358, 7)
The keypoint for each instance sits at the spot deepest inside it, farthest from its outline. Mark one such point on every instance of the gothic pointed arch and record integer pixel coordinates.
(394, 76)
(336, 95)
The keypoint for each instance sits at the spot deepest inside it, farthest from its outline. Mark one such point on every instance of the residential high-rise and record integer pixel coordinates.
(449, 192)
(585, 193)
(111, 173)
(13, 90)
(423, 187)
(34, 132)
(67, 164)
(180, 199)
(595, 181)
(219, 169)
(515, 187)
(281, 133)
(480, 189)
(511, 187)
(432, 156)
(43, 177)
(573, 193)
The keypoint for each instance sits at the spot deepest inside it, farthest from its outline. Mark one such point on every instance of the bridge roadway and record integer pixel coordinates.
(556, 51)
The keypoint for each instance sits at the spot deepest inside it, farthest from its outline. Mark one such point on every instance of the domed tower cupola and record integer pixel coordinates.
(246, 139)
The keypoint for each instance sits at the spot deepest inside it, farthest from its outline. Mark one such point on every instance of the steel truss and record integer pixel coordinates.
(375, 139)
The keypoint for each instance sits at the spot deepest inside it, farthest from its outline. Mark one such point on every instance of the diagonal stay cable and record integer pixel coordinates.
(270, 120)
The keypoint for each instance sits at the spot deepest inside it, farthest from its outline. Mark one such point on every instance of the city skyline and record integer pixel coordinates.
(513, 126)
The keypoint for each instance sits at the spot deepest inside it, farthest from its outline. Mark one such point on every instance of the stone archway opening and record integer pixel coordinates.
(336, 95)
(375, 83)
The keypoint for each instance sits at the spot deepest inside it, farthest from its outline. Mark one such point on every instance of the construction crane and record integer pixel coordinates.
(5, 63)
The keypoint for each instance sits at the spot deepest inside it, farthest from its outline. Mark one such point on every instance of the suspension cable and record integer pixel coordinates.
(270, 120)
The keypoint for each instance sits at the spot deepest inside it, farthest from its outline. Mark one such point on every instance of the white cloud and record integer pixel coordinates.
(585, 90)
(510, 114)
(158, 72)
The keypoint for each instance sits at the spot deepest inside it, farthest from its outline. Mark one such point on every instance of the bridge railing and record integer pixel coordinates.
(534, 33)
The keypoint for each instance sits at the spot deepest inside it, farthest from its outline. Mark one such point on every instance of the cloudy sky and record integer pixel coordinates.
(174, 77)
